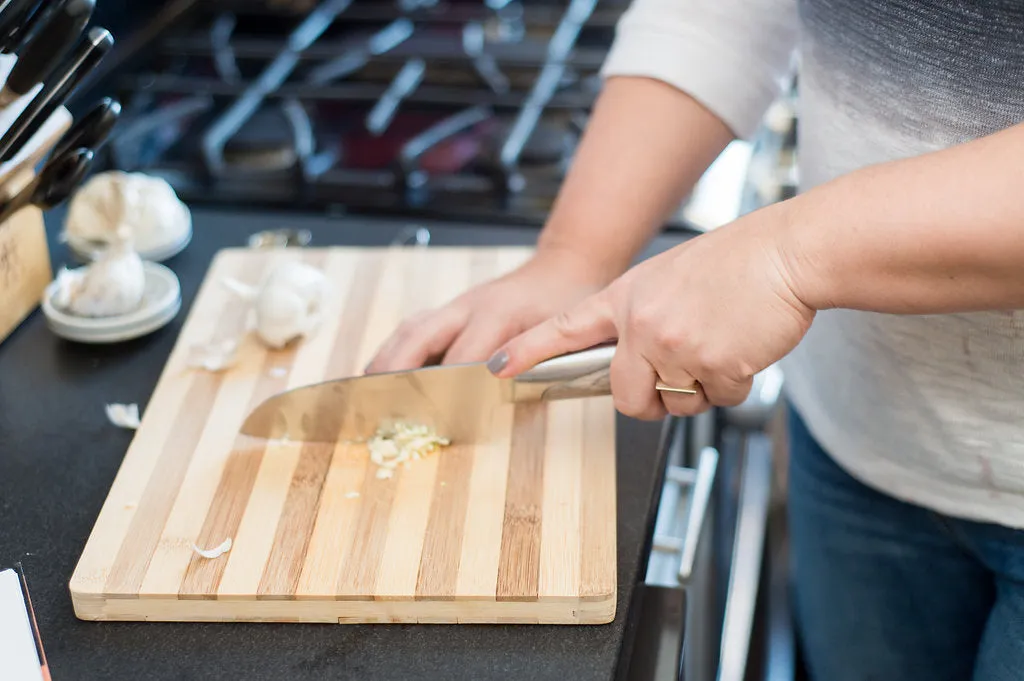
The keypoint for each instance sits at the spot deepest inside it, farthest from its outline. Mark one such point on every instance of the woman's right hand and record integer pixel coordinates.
(473, 326)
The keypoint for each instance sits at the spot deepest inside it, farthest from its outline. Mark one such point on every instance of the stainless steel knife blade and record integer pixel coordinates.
(454, 400)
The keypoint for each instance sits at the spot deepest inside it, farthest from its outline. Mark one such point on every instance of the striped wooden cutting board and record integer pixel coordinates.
(520, 530)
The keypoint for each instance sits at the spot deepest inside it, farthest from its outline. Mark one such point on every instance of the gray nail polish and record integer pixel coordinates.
(497, 362)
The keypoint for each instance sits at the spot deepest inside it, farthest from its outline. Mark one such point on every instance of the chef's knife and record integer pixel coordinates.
(54, 183)
(60, 26)
(58, 87)
(90, 130)
(453, 399)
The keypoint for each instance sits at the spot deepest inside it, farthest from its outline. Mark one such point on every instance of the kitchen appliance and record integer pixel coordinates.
(462, 110)
(517, 526)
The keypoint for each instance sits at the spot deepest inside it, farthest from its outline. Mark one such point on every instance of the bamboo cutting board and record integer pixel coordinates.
(518, 530)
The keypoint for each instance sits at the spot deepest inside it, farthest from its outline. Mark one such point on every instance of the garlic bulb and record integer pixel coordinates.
(112, 285)
(146, 205)
(288, 303)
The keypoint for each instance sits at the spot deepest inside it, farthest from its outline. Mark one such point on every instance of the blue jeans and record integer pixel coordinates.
(888, 591)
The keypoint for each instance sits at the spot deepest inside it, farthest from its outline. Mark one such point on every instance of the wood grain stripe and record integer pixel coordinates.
(332, 532)
(406, 528)
(597, 520)
(252, 541)
(227, 509)
(281, 575)
(202, 577)
(442, 546)
(183, 430)
(560, 544)
(174, 551)
(140, 542)
(488, 487)
(358, 573)
(345, 356)
(518, 570)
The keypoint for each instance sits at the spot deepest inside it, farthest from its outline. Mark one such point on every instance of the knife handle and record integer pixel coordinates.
(579, 374)
(60, 28)
(83, 59)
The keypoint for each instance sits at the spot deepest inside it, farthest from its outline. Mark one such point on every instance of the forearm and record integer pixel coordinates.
(939, 233)
(645, 147)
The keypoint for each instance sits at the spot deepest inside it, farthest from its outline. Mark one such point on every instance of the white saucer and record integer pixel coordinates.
(85, 252)
(161, 301)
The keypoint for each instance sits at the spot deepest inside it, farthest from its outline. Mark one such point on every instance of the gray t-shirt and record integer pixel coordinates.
(929, 408)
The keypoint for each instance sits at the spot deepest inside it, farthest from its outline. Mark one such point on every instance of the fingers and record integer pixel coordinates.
(681, 404)
(633, 379)
(588, 324)
(419, 339)
(722, 391)
(480, 339)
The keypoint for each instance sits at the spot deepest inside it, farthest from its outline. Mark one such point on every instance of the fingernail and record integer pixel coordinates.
(498, 362)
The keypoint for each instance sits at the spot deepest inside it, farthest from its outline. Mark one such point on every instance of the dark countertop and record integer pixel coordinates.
(59, 455)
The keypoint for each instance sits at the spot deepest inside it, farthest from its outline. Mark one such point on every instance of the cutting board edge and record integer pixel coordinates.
(92, 607)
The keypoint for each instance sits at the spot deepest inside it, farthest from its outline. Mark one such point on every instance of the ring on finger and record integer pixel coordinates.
(692, 390)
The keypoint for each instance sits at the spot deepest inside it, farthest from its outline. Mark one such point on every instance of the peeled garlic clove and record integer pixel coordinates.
(280, 316)
(288, 303)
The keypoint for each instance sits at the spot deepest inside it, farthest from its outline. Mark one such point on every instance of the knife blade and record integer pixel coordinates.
(454, 400)
(60, 25)
(86, 55)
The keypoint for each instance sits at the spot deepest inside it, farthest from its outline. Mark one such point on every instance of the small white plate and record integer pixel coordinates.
(161, 301)
(84, 252)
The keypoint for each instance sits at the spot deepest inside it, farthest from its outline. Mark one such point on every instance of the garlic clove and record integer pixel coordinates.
(112, 285)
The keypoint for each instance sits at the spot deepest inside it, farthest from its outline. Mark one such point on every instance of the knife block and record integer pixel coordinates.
(25, 268)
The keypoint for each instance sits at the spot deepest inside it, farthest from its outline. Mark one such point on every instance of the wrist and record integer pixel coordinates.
(806, 252)
(583, 262)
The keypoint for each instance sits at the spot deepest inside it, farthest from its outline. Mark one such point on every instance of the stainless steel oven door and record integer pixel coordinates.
(699, 600)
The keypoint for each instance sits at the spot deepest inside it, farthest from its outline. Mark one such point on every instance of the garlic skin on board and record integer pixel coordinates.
(111, 285)
(146, 205)
(287, 304)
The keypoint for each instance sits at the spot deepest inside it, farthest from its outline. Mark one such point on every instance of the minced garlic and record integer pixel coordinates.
(401, 442)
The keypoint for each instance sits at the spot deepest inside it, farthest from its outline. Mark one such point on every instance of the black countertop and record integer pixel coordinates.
(59, 455)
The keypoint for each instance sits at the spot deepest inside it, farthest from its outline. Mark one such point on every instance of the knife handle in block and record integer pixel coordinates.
(579, 374)
(32, 153)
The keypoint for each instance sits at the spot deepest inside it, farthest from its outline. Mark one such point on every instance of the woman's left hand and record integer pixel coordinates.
(716, 310)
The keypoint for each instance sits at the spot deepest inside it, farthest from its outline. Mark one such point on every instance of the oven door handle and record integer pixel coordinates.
(701, 479)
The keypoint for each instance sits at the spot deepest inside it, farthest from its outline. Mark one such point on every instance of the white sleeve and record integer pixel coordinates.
(732, 56)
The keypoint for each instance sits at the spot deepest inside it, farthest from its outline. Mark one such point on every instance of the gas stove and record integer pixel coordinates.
(468, 110)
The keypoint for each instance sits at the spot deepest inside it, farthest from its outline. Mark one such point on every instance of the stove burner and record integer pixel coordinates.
(264, 143)
(463, 109)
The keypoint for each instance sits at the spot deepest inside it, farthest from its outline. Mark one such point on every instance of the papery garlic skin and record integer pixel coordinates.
(288, 303)
(112, 285)
(146, 205)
